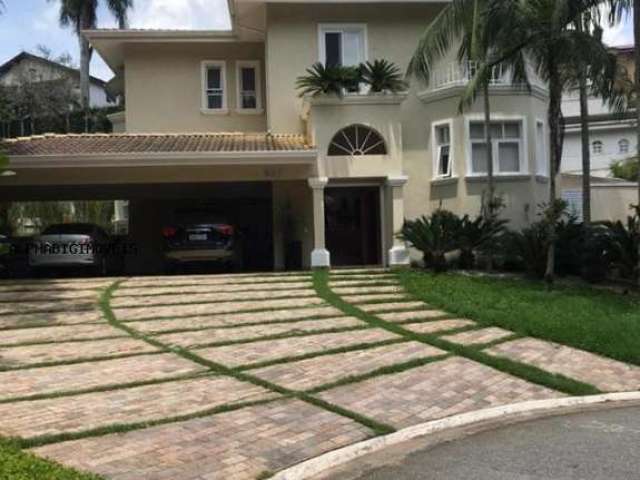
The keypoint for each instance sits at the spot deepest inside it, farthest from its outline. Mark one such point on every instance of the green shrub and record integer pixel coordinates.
(321, 80)
(623, 242)
(382, 76)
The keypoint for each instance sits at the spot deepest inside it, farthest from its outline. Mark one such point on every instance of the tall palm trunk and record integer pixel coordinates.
(555, 114)
(636, 31)
(488, 139)
(585, 138)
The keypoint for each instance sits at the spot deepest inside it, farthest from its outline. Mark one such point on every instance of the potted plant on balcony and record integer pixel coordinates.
(382, 76)
(321, 80)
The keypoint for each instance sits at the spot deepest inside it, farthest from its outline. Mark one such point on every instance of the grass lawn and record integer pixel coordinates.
(16, 464)
(599, 321)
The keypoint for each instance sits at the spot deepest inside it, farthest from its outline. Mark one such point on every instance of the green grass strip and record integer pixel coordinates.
(72, 361)
(517, 369)
(105, 388)
(40, 441)
(376, 427)
(16, 464)
(333, 351)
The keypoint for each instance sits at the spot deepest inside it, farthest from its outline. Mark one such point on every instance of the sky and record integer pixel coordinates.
(25, 24)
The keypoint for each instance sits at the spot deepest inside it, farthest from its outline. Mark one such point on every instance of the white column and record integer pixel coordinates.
(320, 257)
(399, 254)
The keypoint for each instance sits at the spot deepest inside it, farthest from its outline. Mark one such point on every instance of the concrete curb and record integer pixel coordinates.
(491, 417)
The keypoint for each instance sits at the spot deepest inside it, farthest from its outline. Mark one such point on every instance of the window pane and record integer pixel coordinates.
(443, 135)
(353, 48)
(443, 161)
(214, 101)
(249, 101)
(496, 130)
(509, 157)
(214, 78)
(333, 49)
(477, 131)
(248, 79)
(479, 157)
(512, 130)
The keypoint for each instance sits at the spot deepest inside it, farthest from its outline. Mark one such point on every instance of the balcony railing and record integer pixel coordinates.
(459, 74)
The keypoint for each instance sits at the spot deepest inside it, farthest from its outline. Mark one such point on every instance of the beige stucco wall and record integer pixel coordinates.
(163, 85)
(292, 45)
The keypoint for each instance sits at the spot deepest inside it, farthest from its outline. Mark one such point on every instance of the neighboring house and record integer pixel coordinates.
(213, 117)
(613, 137)
(32, 68)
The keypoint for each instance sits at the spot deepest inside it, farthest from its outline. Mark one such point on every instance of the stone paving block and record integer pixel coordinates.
(231, 319)
(236, 355)
(59, 334)
(603, 373)
(174, 281)
(204, 337)
(82, 376)
(235, 445)
(392, 306)
(65, 351)
(50, 295)
(412, 315)
(479, 337)
(131, 405)
(60, 285)
(243, 287)
(438, 326)
(437, 390)
(382, 297)
(181, 298)
(367, 290)
(175, 311)
(9, 308)
(313, 372)
(22, 320)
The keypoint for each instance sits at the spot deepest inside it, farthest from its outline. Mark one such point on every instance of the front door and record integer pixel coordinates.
(352, 216)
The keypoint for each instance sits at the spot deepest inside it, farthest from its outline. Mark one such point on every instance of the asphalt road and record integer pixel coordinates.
(588, 446)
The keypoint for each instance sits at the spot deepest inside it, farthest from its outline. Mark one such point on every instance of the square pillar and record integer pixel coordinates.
(399, 253)
(320, 257)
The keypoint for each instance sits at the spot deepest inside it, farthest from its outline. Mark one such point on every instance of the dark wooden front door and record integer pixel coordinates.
(352, 216)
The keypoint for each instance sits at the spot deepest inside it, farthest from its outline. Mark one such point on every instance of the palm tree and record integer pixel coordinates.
(461, 21)
(544, 30)
(82, 15)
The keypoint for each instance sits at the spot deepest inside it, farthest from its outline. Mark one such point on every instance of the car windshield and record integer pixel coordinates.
(70, 229)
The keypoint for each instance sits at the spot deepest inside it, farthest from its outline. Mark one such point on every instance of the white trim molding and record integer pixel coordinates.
(255, 64)
(204, 67)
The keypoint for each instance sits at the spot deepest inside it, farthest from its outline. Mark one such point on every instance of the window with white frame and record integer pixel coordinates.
(507, 144)
(248, 86)
(214, 86)
(342, 44)
(597, 147)
(542, 160)
(442, 150)
(623, 146)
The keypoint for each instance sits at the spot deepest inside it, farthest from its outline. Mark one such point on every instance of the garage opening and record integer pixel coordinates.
(151, 224)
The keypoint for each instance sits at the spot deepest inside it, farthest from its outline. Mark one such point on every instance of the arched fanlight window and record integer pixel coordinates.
(597, 147)
(357, 140)
(623, 146)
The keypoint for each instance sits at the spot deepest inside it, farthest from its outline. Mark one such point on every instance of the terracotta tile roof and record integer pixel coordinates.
(105, 144)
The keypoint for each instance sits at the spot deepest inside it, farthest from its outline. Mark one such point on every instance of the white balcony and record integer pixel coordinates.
(459, 74)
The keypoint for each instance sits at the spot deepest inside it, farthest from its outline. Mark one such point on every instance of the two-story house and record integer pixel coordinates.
(215, 115)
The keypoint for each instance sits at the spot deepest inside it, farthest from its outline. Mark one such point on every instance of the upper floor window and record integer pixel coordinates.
(342, 44)
(442, 150)
(541, 150)
(507, 147)
(214, 86)
(623, 146)
(357, 140)
(248, 86)
(597, 147)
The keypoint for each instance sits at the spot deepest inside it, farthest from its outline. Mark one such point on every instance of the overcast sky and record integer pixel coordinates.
(27, 23)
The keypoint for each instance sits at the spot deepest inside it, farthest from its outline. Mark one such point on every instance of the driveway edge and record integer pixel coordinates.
(489, 418)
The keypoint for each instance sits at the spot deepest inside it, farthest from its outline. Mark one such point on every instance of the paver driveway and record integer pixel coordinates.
(237, 376)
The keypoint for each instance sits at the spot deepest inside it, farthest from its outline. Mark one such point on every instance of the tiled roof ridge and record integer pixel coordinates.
(151, 134)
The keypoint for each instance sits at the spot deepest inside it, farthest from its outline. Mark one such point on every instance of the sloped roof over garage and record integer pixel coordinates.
(122, 144)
